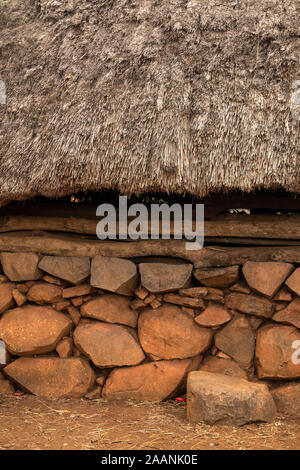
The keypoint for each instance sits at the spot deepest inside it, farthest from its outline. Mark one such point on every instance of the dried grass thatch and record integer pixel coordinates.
(143, 95)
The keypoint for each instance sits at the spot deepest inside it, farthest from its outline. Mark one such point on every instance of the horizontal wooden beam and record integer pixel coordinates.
(282, 227)
(70, 245)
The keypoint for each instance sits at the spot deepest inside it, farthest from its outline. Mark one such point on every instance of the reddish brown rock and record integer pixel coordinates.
(237, 340)
(3, 279)
(266, 277)
(52, 377)
(6, 296)
(111, 308)
(290, 314)
(141, 292)
(250, 304)
(286, 398)
(33, 330)
(255, 322)
(217, 277)
(95, 394)
(44, 293)
(21, 266)
(163, 277)
(240, 287)
(77, 301)
(214, 315)
(293, 282)
(218, 398)
(185, 301)
(108, 345)
(52, 280)
(114, 274)
(153, 381)
(275, 354)
(65, 348)
(19, 298)
(6, 387)
(170, 333)
(77, 291)
(137, 304)
(74, 269)
(62, 305)
(219, 365)
(155, 303)
(198, 292)
(283, 295)
(22, 288)
(74, 314)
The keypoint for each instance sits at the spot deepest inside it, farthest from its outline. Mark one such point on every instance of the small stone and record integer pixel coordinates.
(52, 280)
(284, 295)
(212, 316)
(188, 310)
(101, 380)
(155, 303)
(222, 355)
(266, 277)
(293, 282)
(19, 298)
(65, 348)
(77, 301)
(217, 398)
(83, 289)
(29, 284)
(217, 277)
(52, 377)
(240, 287)
(3, 279)
(6, 297)
(141, 292)
(149, 299)
(163, 277)
(111, 308)
(63, 305)
(74, 314)
(95, 394)
(286, 398)
(290, 314)
(255, 322)
(6, 387)
(21, 266)
(74, 269)
(185, 301)
(225, 366)
(137, 304)
(22, 288)
(250, 304)
(198, 292)
(42, 293)
(114, 274)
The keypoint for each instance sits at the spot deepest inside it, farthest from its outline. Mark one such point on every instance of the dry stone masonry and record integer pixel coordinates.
(136, 329)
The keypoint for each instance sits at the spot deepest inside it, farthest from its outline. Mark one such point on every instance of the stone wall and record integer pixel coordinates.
(118, 329)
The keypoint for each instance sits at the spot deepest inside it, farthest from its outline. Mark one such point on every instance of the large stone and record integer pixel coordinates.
(217, 398)
(153, 381)
(6, 296)
(237, 340)
(176, 299)
(163, 277)
(219, 365)
(266, 277)
(111, 308)
(114, 274)
(212, 316)
(52, 377)
(74, 269)
(287, 399)
(217, 277)
(33, 330)
(21, 266)
(250, 304)
(170, 333)
(290, 314)
(108, 345)
(293, 282)
(275, 352)
(44, 293)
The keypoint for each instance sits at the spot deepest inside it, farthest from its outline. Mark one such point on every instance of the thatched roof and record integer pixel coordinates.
(145, 95)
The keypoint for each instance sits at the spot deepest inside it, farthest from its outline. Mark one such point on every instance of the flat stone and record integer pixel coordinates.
(65, 348)
(198, 292)
(170, 333)
(74, 269)
(266, 277)
(21, 266)
(185, 301)
(240, 287)
(163, 277)
(293, 282)
(153, 381)
(290, 314)
(74, 314)
(114, 274)
(6, 296)
(61, 305)
(137, 304)
(237, 340)
(213, 315)
(33, 330)
(44, 293)
(275, 353)
(217, 398)
(286, 398)
(6, 387)
(219, 365)
(52, 280)
(283, 295)
(108, 345)
(52, 377)
(250, 304)
(77, 291)
(141, 292)
(217, 277)
(111, 308)
(19, 298)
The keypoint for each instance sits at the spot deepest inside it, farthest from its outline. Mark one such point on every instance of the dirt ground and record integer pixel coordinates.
(28, 422)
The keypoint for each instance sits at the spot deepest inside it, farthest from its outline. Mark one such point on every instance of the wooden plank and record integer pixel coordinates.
(283, 227)
(70, 245)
